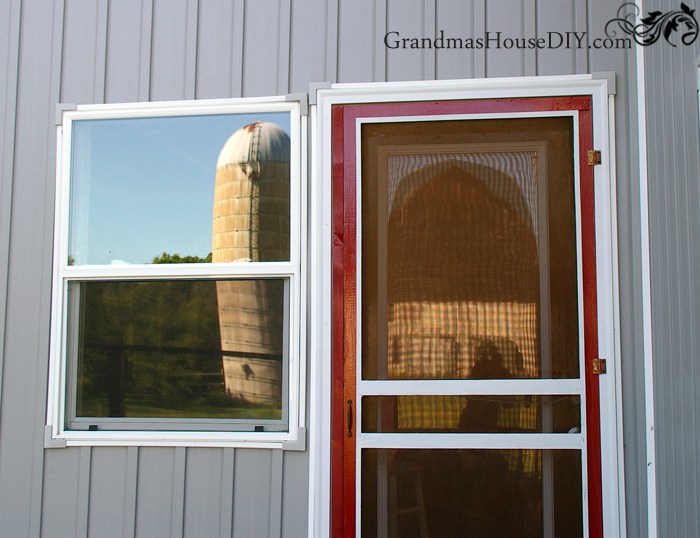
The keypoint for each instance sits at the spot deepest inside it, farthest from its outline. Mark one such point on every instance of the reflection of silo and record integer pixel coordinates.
(251, 224)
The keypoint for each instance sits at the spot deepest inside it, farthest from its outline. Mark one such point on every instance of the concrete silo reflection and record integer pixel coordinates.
(251, 224)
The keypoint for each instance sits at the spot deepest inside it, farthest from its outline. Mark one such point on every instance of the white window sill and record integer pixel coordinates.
(268, 440)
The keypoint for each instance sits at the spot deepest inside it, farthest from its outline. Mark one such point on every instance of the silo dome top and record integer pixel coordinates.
(256, 143)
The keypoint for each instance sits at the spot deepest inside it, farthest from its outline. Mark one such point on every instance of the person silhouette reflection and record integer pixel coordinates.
(486, 484)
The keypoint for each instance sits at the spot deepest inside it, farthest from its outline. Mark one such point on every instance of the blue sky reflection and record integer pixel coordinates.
(144, 186)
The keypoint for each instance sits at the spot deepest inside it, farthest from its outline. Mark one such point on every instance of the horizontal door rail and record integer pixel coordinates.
(543, 441)
(466, 387)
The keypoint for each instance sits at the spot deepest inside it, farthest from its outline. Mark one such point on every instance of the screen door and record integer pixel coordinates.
(464, 325)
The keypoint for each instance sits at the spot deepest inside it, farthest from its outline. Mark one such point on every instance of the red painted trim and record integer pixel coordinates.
(343, 456)
(590, 324)
(349, 312)
(338, 503)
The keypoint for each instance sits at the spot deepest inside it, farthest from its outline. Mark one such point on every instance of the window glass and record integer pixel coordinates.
(178, 349)
(180, 189)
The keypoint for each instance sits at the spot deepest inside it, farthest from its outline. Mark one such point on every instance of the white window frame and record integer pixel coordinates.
(57, 433)
(321, 245)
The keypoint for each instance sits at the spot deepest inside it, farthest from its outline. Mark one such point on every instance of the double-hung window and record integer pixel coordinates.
(177, 274)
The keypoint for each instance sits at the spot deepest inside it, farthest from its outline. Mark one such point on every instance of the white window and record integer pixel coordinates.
(177, 274)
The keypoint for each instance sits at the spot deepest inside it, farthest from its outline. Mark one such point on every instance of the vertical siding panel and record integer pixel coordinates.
(251, 505)
(124, 49)
(598, 14)
(313, 48)
(683, 283)
(331, 42)
(380, 30)
(59, 515)
(277, 472)
(179, 484)
(429, 30)
(407, 18)
(204, 480)
(261, 43)
(108, 492)
(530, 30)
(511, 19)
(25, 346)
(227, 478)
(56, 70)
(661, 264)
(80, 51)
(464, 20)
(689, 202)
(237, 36)
(146, 50)
(479, 14)
(554, 19)
(284, 56)
(83, 511)
(631, 335)
(663, 235)
(130, 491)
(674, 195)
(692, 202)
(169, 79)
(156, 492)
(9, 63)
(101, 50)
(191, 49)
(215, 49)
(295, 494)
(357, 50)
(581, 24)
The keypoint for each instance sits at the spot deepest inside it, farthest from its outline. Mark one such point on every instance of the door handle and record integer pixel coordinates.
(349, 418)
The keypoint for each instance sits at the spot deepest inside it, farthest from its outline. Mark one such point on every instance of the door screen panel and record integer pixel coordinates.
(471, 493)
(472, 414)
(469, 250)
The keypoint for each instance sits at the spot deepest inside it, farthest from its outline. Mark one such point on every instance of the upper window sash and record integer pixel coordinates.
(90, 215)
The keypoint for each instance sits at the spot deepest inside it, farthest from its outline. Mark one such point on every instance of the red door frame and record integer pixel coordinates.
(344, 292)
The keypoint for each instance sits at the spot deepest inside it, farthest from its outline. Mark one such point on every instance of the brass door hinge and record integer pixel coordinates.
(594, 157)
(599, 366)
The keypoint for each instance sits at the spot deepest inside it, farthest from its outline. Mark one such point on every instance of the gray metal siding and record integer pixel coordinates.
(360, 49)
(265, 65)
(220, 49)
(9, 60)
(520, 21)
(112, 492)
(89, 51)
(459, 17)
(28, 274)
(128, 62)
(674, 198)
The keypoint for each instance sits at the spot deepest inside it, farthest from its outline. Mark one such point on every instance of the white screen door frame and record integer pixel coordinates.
(323, 243)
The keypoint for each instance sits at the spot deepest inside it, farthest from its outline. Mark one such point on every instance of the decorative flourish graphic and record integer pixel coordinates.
(655, 24)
